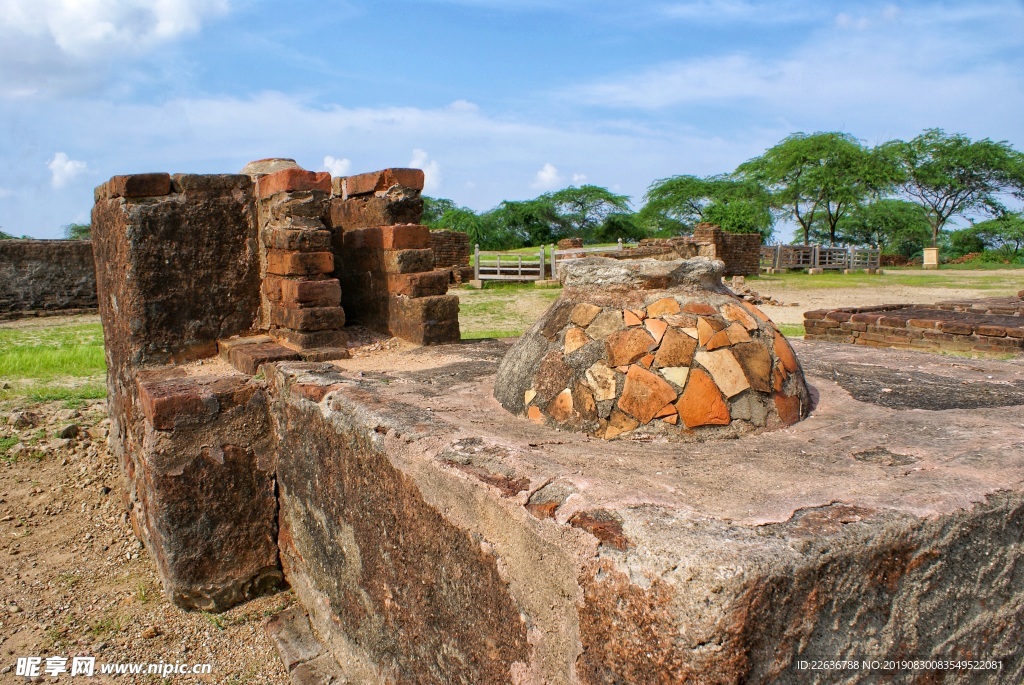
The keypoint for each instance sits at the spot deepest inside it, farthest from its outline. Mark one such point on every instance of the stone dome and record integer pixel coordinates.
(642, 347)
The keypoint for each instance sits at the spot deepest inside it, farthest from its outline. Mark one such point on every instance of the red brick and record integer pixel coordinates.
(788, 408)
(868, 318)
(405, 237)
(921, 323)
(421, 284)
(307, 319)
(139, 185)
(408, 261)
(839, 316)
(1015, 332)
(893, 321)
(816, 314)
(699, 308)
(364, 184)
(292, 180)
(956, 327)
(428, 332)
(368, 211)
(305, 340)
(322, 293)
(291, 263)
(992, 331)
(302, 240)
(248, 358)
(628, 345)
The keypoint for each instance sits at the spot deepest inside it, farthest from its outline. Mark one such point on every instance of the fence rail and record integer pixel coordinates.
(816, 257)
(559, 256)
(508, 266)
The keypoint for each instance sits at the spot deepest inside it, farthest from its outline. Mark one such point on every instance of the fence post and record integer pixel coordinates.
(476, 263)
(553, 274)
(778, 253)
(542, 273)
(620, 244)
(814, 257)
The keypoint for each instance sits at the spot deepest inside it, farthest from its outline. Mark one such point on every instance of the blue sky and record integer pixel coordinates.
(494, 99)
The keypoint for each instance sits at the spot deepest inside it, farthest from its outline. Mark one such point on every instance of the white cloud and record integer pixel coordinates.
(731, 11)
(49, 46)
(64, 170)
(579, 179)
(431, 170)
(337, 167)
(547, 178)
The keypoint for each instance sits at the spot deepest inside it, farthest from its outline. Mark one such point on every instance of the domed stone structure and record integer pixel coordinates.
(642, 347)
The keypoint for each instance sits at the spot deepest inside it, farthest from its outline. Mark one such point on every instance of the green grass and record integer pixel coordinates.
(46, 353)
(893, 277)
(479, 335)
(73, 396)
(792, 330)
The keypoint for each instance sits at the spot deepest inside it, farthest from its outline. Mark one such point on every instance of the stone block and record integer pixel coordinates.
(376, 181)
(211, 183)
(307, 318)
(225, 346)
(361, 239)
(139, 185)
(292, 263)
(422, 309)
(422, 284)
(306, 340)
(406, 237)
(292, 180)
(301, 240)
(371, 212)
(248, 358)
(303, 293)
(956, 327)
(407, 261)
(428, 332)
(644, 394)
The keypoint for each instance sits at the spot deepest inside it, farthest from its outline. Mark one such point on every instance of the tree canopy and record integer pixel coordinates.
(737, 205)
(819, 177)
(581, 210)
(951, 175)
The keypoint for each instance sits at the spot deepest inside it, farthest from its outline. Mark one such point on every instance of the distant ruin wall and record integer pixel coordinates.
(46, 275)
(741, 252)
(451, 252)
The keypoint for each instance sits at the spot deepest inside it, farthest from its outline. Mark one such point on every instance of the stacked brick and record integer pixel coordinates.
(741, 252)
(384, 259)
(301, 298)
(917, 327)
(451, 252)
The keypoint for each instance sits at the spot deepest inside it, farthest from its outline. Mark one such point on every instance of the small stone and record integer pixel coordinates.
(23, 419)
(618, 424)
(605, 324)
(584, 314)
(560, 408)
(701, 308)
(785, 353)
(584, 402)
(528, 396)
(676, 374)
(532, 413)
(630, 318)
(668, 410)
(666, 305)
(625, 347)
(14, 608)
(737, 334)
(601, 380)
(676, 349)
(657, 328)
(737, 314)
(70, 431)
(105, 490)
(719, 339)
(673, 419)
(646, 360)
(756, 363)
(575, 338)
(150, 632)
(701, 403)
(707, 328)
(726, 371)
(788, 407)
(644, 394)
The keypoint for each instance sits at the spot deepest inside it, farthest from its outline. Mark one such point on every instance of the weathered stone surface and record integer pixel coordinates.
(423, 284)
(584, 314)
(627, 346)
(407, 261)
(756, 363)
(640, 274)
(601, 380)
(701, 403)
(575, 338)
(676, 349)
(139, 185)
(605, 324)
(378, 181)
(292, 263)
(644, 394)
(46, 275)
(248, 358)
(302, 240)
(666, 305)
(292, 180)
(261, 167)
(372, 212)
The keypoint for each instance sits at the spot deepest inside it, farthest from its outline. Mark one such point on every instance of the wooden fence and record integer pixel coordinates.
(784, 257)
(518, 266)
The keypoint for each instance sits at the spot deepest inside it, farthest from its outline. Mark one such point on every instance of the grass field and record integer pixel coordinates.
(48, 363)
(981, 280)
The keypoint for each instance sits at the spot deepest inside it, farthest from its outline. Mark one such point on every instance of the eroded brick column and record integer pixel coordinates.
(384, 260)
(301, 299)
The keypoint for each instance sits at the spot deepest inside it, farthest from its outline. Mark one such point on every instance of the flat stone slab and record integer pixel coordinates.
(435, 537)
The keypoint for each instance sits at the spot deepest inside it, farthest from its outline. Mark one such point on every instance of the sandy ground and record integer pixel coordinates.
(75, 581)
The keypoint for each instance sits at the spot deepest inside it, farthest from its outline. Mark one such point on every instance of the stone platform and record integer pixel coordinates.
(434, 537)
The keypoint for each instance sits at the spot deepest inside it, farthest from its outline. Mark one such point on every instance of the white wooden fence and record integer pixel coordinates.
(817, 257)
(519, 266)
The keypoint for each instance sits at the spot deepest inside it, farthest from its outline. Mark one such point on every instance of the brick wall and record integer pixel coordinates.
(452, 252)
(739, 251)
(921, 327)
(46, 275)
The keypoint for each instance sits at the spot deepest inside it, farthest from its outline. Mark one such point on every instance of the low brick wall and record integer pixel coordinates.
(924, 327)
(741, 252)
(46, 275)
(452, 252)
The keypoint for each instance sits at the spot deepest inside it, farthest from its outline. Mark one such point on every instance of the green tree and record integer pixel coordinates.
(624, 225)
(891, 224)
(78, 232)
(951, 175)
(582, 210)
(1004, 233)
(6, 236)
(737, 205)
(528, 222)
(819, 177)
(434, 208)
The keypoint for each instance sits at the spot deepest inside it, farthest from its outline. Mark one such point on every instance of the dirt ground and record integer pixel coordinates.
(76, 582)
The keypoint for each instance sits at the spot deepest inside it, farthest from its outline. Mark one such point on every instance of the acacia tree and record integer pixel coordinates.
(889, 224)
(1005, 233)
(528, 222)
(737, 205)
(819, 177)
(583, 210)
(951, 175)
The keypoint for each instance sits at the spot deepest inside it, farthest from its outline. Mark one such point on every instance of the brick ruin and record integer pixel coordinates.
(656, 348)
(452, 252)
(986, 326)
(44, 276)
(740, 252)
(432, 536)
